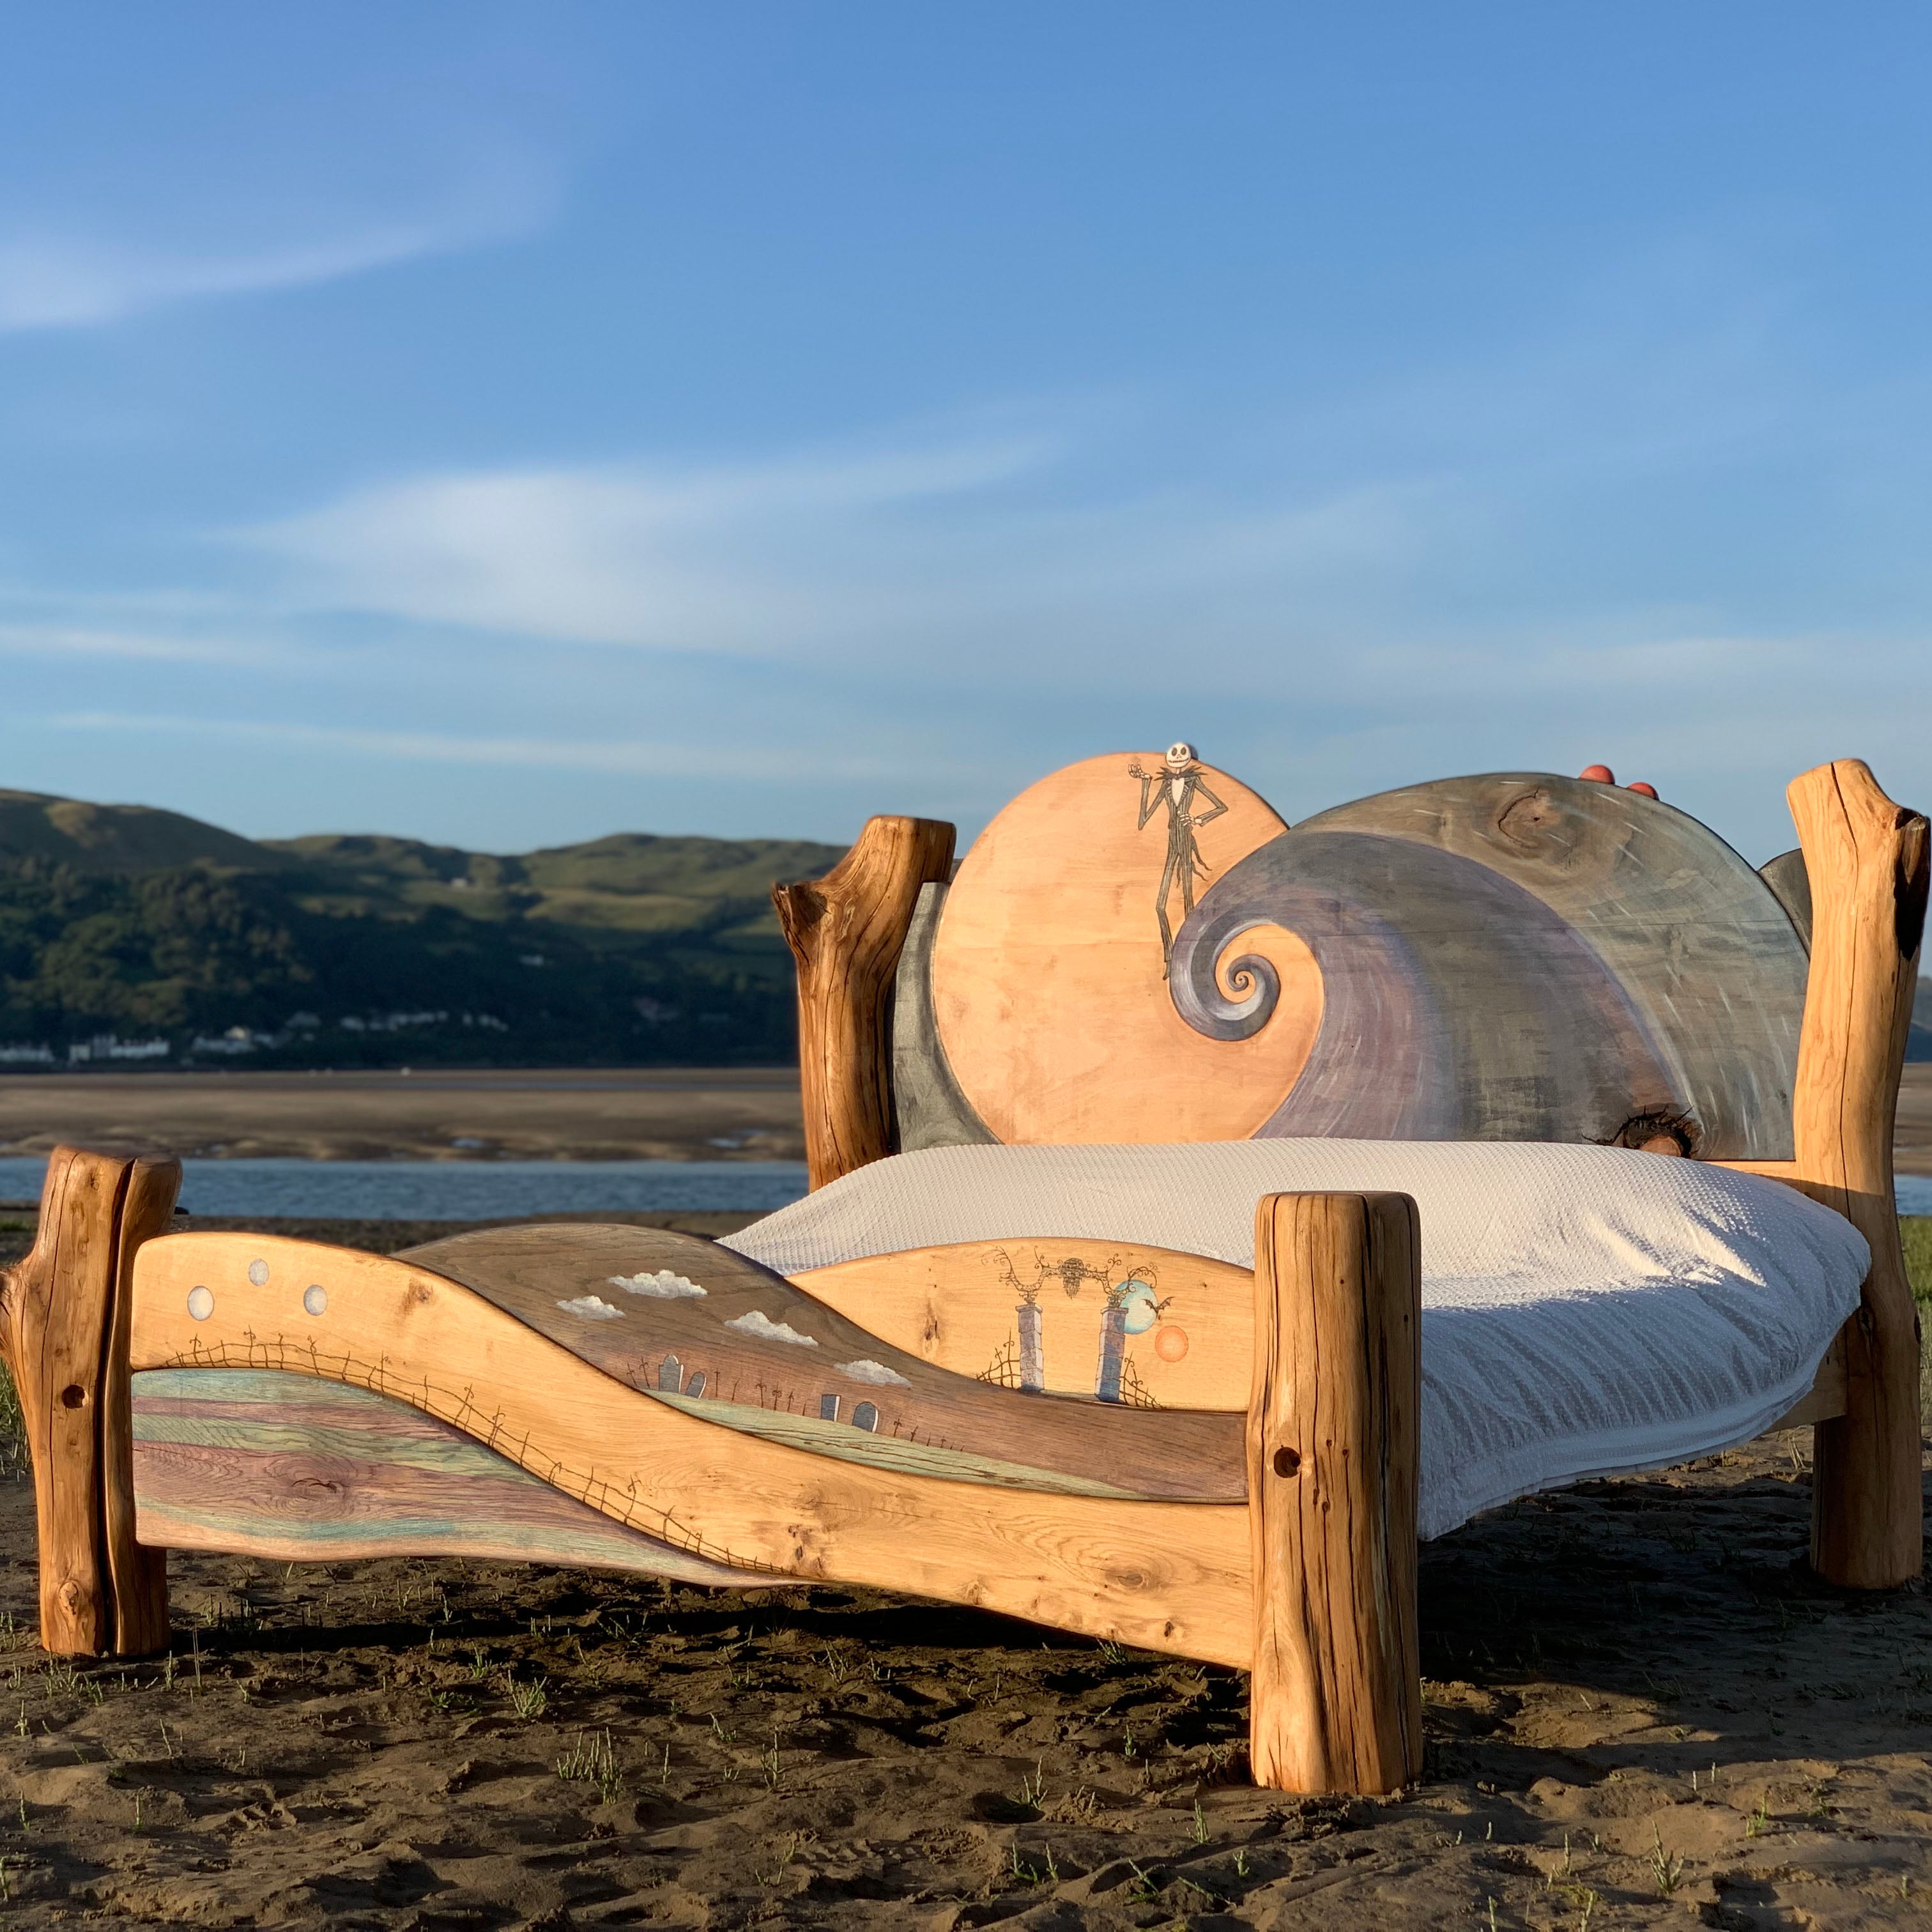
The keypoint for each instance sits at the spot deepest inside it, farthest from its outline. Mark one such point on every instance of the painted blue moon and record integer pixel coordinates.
(1138, 1308)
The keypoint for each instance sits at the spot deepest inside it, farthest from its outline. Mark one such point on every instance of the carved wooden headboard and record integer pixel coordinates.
(1139, 950)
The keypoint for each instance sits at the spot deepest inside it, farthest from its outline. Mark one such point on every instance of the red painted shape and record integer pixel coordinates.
(1598, 775)
(1647, 790)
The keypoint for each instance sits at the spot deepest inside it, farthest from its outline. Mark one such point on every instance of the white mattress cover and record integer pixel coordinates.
(1586, 1311)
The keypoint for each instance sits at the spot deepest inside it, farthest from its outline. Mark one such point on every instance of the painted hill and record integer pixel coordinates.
(150, 927)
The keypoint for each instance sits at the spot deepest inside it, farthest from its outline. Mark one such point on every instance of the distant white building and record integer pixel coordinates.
(111, 1046)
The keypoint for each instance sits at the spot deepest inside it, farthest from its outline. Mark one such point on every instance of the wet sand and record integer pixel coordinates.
(548, 1113)
(553, 1114)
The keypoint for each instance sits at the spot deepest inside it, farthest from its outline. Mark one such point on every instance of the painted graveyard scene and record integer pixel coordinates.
(1123, 1302)
(1509, 956)
(739, 1345)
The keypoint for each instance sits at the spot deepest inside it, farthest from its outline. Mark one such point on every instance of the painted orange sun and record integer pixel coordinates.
(1170, 1343)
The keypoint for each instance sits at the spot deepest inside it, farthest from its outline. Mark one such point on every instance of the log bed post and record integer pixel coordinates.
(1866, 861)
(1335, 1700)
(65, 1315)
(846, 931)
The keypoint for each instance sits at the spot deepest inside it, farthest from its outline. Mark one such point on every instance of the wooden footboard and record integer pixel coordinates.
(1310, 1582)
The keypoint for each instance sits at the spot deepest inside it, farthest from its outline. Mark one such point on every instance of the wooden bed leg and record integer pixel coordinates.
(1867, 860)
(65, 1313)
(1335, 1701)
(846, 931)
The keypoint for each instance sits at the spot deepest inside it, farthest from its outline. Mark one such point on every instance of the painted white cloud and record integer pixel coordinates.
(762, 1325)
(592, 1307)
(877, 1373)
(665, 1284)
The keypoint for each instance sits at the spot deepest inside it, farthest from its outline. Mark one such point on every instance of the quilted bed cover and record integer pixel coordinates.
(1586, 1311)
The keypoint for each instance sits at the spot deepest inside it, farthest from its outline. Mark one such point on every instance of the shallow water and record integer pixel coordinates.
(432, 1190)
(435, 1190)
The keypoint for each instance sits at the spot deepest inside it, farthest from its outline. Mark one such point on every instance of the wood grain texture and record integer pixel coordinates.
(265, 1463)
(1866, 859)
(66, 1332)
(958, 1307)
(698, 1325)
(1170, 1576)
(1519, 956)
(845, 931)
(1336, 1701)
(1049, 983)
(137, 1566)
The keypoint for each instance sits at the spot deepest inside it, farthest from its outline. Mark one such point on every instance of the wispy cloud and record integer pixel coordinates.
(70, 275)
(762, 558)
(64, 640)
(635, 758)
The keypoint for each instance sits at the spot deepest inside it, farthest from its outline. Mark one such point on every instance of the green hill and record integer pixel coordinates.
(115, 838)
(341, 950)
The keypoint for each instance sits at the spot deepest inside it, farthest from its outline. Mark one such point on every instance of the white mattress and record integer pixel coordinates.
(1586, 1311)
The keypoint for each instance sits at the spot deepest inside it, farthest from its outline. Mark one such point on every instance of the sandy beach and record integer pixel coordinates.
(1640, 1712)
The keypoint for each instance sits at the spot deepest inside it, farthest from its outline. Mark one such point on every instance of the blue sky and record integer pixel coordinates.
(505, 425)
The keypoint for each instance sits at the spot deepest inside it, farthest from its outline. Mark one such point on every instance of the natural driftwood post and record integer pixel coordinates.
(65, 1313)
(846, 931)
(1867, 860)
(1335, 1703)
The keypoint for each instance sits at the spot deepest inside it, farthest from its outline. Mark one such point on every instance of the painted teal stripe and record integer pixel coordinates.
(429, 1535)
(267, 1437)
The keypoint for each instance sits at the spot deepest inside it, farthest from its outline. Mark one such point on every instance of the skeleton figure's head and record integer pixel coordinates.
(1179, 756)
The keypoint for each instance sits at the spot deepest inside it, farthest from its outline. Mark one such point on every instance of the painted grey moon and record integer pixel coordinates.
(1517, 956)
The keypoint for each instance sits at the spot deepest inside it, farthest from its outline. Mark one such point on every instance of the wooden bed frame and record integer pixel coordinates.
(440, 1416)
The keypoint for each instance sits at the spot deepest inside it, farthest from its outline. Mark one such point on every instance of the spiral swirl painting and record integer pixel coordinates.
(1138, 949)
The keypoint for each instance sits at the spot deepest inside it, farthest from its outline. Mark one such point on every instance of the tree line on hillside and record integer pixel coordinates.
(220, 965)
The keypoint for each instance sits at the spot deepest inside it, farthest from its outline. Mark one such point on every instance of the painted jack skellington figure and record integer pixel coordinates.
(1176, 785)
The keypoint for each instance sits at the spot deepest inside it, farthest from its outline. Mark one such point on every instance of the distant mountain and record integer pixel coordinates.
(145, 936)
(1918, 1041)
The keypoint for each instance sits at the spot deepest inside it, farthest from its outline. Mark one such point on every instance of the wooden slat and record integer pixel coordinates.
(1335, 1701)
(957, 1307)
(1169, 1577)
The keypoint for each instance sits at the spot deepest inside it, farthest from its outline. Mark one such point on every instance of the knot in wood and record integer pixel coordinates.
(73, 1396)
(1287, 1461)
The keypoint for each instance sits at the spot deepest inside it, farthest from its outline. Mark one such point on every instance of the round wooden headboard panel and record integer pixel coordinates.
(1049, 983)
